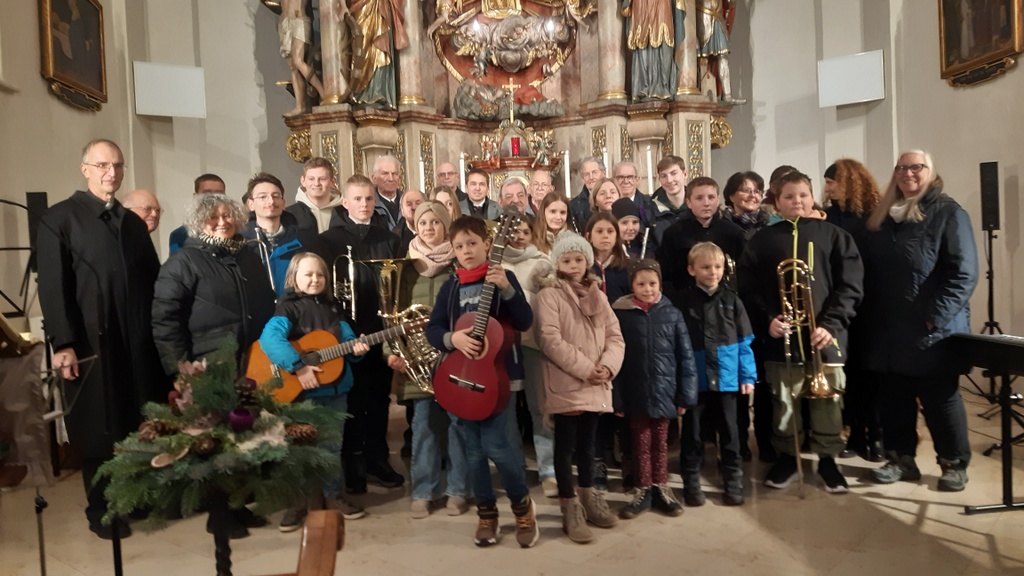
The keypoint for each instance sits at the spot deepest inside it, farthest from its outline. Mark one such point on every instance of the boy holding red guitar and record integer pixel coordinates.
(486, 438)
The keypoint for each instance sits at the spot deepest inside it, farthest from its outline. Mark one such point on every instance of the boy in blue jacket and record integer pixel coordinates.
(721, 337)
(485, 439)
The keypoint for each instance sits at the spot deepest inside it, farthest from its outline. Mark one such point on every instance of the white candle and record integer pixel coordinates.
(423, 180)
(462, 171)
(607, 167)
(565, 171)
(650, 171)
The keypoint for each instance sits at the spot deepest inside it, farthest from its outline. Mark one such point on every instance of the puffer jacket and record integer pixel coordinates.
(575, 335)
(915, 273)
(203, 294)
(658, 372)
(721, 336)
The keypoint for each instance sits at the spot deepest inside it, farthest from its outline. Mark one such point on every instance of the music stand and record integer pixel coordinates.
(1007, 448)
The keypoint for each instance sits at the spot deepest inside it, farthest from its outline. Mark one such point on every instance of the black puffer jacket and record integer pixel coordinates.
(658, 372)
(205, 293)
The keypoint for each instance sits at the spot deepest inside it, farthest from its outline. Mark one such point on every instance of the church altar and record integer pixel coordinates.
(508, 86)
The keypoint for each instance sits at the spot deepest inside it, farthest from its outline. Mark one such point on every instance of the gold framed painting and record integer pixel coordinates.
(979, 38)
(73, 52)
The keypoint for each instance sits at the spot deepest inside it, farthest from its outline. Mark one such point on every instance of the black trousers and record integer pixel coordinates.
(96, 503)
(944, 414)
(366, 433)
(722, 405)
(574, 434)
(860, 409)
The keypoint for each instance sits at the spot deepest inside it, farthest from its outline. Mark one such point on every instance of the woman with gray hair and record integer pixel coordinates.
(920, 269)
(213, 288)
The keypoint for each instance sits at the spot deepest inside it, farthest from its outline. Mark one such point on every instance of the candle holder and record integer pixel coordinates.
(515, 146)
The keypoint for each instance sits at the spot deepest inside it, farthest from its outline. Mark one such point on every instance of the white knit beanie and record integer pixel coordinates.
(567, 241)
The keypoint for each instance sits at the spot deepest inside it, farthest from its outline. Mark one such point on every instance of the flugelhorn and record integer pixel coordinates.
(345, 290)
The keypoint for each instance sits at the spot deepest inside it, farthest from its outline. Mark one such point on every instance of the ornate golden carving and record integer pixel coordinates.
(612, 95)
(721, 132)
(668, 146)
(329, 148)
(400, 154)
(299, 146)
(357, 157)
(598, 141)
(427, 155)
(499, 179)
(626, 144)
(412, 101)
(695, 147)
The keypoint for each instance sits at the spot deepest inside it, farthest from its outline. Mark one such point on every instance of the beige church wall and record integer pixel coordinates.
(962, 127)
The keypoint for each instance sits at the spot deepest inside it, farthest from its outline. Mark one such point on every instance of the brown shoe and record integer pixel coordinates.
(527, 531)
(487, 529)
(574, 521)
(596, 508)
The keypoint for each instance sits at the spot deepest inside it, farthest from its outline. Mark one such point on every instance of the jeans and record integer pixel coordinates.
(334, 487)
(826, 415)
(722, 406)
(431, 425)
(488, 440)
(943, 409)
(574, 434)
(543, 439)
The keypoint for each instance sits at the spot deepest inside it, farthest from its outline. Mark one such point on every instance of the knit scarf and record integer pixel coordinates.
(431, 262)
(231, 245)
(477, 274)
(907, 209)
(517, 255)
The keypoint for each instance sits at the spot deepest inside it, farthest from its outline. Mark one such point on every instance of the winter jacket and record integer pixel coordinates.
(309, 216)
(510, 307)
(405, 236)
(579, 210)
(522, 264)
(297, 315)
(203, 294)
(683, 235)
(287, 243)
(915, 273)
(721, 336)
(614, 281)
(575, 335)
(667, 214)
(837, 285)
(750, 223)
(390, 211)
(658, 371)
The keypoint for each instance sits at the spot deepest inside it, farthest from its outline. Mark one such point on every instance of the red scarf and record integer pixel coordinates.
(470, 276)
(643, 305)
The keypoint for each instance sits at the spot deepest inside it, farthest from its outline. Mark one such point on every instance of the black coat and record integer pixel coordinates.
(303, 215)
(204, 294)
(837, 287)
(918, 272)
(684, 234)
(405, 236)
(658, 373)
(96, 273)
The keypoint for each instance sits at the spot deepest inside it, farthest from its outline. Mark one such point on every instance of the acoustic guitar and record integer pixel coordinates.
(478, 388)
(319, 348)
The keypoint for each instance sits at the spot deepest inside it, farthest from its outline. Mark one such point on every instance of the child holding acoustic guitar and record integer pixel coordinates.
(485, 438)
(304, 308)
(582, 344)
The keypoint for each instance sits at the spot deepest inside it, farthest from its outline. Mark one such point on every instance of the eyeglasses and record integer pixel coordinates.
(446, 174)
(264, 197)
(752, 191)
(913, 168)
(625, 178)
(151, 209)
(104, 166)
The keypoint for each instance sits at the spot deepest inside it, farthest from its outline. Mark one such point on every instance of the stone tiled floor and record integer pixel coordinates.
(872, 531)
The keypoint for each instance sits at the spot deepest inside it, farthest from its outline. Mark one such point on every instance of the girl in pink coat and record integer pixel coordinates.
(582, 345)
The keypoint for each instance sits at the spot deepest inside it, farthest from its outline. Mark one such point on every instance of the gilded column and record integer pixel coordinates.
(611, 74)
(335, 50)
(411, 60)
(686, 52)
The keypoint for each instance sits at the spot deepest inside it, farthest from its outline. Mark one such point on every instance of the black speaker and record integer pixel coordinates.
(989, 195)
(36, 203)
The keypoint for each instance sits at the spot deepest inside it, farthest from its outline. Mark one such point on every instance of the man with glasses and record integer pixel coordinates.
(625, 176)
(540, 186)
(269, 224)
(97, 267)
(448, 175)
(146, 206)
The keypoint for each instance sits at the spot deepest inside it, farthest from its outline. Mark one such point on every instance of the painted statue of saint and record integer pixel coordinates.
(653, 29)
(713, 43)
(382, 28)
(500, 8)
(296, 32)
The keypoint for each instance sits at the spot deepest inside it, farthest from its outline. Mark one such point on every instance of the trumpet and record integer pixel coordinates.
(345, 290)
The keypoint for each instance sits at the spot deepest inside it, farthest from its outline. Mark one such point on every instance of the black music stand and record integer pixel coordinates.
(1006, 402)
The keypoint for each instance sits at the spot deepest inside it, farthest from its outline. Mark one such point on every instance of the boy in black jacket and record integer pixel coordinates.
(485, 439)
(836, 283)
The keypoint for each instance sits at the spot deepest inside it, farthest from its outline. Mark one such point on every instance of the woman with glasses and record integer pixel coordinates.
(920, 269)
(743, 194)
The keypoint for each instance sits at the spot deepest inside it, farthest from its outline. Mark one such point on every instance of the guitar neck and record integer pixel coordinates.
(483, 309)
(370, 339)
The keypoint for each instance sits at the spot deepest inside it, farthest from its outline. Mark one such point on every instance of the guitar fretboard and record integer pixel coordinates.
(371, 339)
(483, 309)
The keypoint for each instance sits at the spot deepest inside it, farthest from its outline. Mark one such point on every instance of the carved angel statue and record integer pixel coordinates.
(575, 10)
(446, 10)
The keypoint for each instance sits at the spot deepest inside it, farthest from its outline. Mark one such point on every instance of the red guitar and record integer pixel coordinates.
(476, 389)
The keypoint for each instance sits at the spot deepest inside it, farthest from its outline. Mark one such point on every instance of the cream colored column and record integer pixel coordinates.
(686, 52)
(410, 81)
(612, 71)
(335, 50)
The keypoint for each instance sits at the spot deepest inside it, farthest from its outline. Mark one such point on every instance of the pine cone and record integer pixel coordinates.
(301, 433)
(246, 390)
(163, 427)
(204, 445)
(147, 431)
